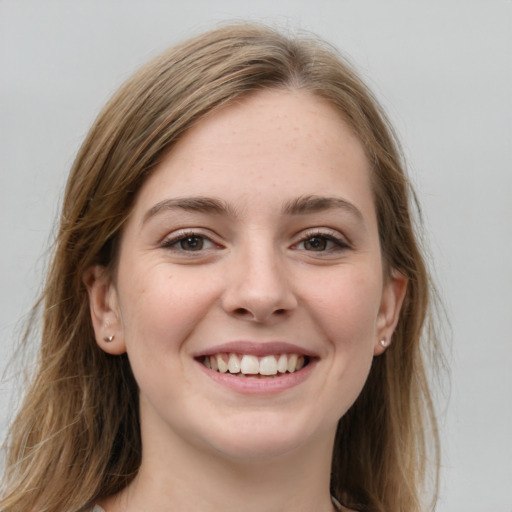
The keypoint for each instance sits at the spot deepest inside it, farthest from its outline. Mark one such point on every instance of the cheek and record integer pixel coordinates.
(347, 311)
(161, 308)
(346, 305)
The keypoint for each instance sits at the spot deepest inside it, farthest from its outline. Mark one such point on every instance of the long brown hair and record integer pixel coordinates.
(76, 436)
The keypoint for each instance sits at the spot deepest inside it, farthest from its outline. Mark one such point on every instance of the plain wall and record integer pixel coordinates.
(443, 70)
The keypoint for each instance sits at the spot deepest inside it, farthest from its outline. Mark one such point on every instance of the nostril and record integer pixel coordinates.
(245, 312)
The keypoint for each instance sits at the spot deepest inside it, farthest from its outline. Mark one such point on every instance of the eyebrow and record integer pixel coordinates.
(313, 204)
(209, 205)
(191, 204)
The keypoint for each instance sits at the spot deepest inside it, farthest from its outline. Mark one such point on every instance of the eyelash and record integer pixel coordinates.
(183, 236)
(339, 243)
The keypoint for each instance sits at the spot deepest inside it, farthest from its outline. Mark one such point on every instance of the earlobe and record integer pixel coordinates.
(104, 308)
(393, 295)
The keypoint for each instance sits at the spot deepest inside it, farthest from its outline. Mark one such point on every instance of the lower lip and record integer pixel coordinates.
(260, 386)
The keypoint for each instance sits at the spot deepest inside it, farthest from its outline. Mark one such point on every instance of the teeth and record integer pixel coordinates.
(233, 364)
(282, 364)
(248, 364)
(268, 365)
(292, 362)
(222, 365)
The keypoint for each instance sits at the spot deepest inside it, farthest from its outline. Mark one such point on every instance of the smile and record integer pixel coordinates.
(243, 365)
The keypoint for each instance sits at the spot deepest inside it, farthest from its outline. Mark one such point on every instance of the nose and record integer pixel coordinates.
(258, 287)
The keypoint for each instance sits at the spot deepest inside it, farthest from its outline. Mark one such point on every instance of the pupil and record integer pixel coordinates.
(316, 244)
(192, 243)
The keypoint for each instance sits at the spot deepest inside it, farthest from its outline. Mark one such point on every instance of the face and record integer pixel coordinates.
(249, 293)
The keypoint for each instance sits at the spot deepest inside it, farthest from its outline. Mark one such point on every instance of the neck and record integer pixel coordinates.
(177, 477)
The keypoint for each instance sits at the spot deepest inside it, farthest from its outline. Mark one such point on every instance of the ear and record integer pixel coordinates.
(393, 294)
(104, 306)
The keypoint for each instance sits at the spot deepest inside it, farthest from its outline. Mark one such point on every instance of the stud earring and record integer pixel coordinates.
(108, 339)
(384, 343)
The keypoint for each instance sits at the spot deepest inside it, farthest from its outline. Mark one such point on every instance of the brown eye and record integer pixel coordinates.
(192, 243)
(189, 242)
(316, 243)
(322, 243)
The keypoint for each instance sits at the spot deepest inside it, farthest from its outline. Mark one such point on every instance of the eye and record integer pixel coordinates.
(192, 243)
(321, 242)
(316, 243)
(188, 242)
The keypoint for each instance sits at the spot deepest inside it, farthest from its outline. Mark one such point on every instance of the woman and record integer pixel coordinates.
(233, 313)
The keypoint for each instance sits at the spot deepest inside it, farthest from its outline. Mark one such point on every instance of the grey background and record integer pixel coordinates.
(443, 70)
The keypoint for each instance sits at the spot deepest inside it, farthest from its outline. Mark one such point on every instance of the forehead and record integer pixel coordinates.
(274, 144)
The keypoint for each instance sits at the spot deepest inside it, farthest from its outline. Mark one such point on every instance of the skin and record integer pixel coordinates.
(310, 275)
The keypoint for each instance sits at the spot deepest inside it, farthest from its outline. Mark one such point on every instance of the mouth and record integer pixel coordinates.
(253, 366)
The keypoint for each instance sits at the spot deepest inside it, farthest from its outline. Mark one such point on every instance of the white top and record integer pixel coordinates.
(337, 504)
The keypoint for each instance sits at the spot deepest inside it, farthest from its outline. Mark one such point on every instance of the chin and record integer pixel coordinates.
(257, 448)
(258, 439)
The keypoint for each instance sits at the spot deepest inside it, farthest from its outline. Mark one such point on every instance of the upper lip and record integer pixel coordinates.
(259, 349)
